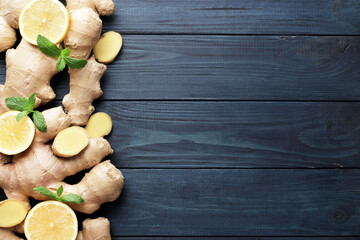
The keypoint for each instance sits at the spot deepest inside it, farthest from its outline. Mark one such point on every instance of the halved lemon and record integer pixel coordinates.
(51, 220)
(48, 18)
(15, 137)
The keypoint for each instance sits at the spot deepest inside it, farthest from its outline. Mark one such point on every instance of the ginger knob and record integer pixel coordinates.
(108, 47)
(70, 141)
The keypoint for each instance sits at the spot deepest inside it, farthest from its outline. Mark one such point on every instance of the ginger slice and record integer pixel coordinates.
(12, 212)
(108, 47)
(70, 141)
(99, 125)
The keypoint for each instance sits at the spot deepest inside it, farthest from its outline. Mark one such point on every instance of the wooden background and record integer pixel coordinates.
(234, 119)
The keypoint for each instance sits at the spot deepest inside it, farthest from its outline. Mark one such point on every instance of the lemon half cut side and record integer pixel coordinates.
(51, 220)
(15, 137)
(48, 18)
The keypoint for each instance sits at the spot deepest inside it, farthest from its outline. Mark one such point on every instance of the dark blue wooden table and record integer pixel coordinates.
(234, 119)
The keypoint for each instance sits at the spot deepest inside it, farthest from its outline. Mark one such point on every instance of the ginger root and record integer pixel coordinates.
(95, 229)
(99, 125)
(108, 47)
(7, 234)
(84, 88)
(84, 14)
(29, 71)
(84, 83)
(70, 141)
(102, 184)
(12, 212)
(9, 21)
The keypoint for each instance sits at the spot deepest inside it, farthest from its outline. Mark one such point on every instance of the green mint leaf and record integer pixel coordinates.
(75, 63)
(60, 191)
(44, 191)
(65, 52)
(21, 115)
(47, 47)
(61, 64)
(39, 121)
(31, 103)
(16, 103)
(72, 198)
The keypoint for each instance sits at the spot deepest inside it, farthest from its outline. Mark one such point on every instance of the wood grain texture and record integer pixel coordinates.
(236, 17)
(230, 67)
(204, 169)
(231, 202)
(243, 202)
(170, 134)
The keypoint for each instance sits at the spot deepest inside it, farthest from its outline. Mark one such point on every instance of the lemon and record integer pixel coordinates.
(51, 220)
(15, 137)
(48, 18)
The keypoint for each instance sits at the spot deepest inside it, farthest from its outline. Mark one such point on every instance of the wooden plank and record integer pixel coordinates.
(236, 17)
(256, 202)
(230, 67)
(170, 134)
(249, 203)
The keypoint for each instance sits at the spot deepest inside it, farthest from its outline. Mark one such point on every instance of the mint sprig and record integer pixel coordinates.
(25, 107)
(71, 198)
(50, 49)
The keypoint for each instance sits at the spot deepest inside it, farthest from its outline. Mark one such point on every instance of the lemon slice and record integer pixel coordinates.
(48, 18)
(15, 137)
(51, 220)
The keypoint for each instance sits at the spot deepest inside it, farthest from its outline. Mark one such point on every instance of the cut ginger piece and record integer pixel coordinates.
(12, 212)
(108, 47)
(99, 125)
(70, 141)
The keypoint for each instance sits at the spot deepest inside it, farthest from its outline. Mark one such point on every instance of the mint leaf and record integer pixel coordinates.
(47, 47)
(31, 102)
(26, 106)
(65, 52)
(22, 115)
(75, 63)
(72, 198)
(44, 191)
(50, 49)
(60, 191)
(16, 103)
(61, 64)
(39, 121)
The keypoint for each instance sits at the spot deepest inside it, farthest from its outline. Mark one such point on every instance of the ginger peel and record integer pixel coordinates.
(98, 228)
(12, 212)
(84, 88)
(28, 71)
(99, 125)
(9, 21)
(70, 141)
